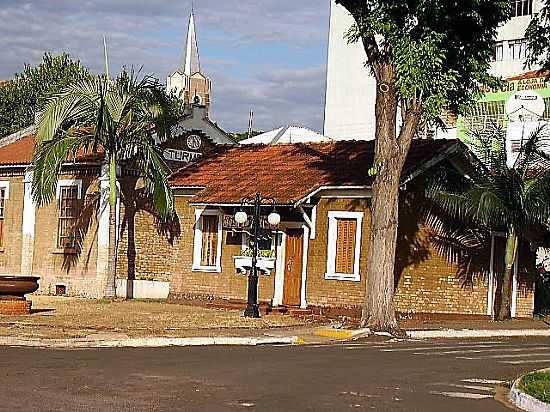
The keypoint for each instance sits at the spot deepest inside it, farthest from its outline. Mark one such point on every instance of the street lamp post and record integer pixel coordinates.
(252, 309)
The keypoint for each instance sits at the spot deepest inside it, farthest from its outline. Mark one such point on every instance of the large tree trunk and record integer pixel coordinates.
(503, 309)
(390, 156)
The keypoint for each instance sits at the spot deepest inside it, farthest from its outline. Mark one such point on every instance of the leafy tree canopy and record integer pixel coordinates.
(28, 92)
(440, 50)
(238, 136)
(538, 38)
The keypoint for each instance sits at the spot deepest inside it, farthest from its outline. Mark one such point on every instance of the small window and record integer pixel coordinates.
(208, 241)
(498, 52)
(522, 8)
(344, 245)
(518, 49)
(68, 213)
(2, 214)
(209, 248)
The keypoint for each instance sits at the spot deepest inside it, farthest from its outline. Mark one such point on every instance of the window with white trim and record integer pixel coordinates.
(208, 241)
(521, 8)
(67, 218)
(344, 245)
(518, 49)
(498, 52)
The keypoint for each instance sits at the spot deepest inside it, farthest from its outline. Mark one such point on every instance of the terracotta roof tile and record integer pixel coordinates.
(530, 75)
(289, 173)
(20, 152)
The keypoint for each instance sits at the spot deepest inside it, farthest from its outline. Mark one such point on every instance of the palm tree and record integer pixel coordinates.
(119, 118)
(509, 197)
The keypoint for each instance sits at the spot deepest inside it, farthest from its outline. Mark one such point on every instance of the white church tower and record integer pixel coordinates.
(351, 90)
(188, 81)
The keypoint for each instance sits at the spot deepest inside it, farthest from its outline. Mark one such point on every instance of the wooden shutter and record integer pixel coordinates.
(345, 245)
(209, 251)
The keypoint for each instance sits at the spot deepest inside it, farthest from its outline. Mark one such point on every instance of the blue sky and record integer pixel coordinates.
(269, 55)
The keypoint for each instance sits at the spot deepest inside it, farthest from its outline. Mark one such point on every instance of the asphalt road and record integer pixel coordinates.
(385, 376)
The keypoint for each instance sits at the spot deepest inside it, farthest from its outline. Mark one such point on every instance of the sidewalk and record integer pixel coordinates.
(81, 323)
(72, 318)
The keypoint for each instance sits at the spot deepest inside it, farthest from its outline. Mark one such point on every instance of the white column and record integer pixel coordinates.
(103, 231)
(28, 229)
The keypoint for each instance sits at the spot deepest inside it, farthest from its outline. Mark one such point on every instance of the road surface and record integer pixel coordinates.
(383, 376)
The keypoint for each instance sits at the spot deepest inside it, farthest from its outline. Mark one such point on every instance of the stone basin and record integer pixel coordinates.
(17, 286)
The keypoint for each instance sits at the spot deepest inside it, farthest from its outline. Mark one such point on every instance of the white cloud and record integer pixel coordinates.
(151, 33)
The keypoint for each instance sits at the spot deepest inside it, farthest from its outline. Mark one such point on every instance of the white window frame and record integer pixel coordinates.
(333, 217)
(69, 182)
(518, 49)
(499, 51)
(5, 184)
(197, 242)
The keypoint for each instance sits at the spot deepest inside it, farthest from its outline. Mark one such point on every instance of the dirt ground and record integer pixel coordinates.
(55, 317)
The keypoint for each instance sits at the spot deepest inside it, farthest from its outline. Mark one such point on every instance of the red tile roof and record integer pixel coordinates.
(530, 75)
(20, 152)
(289, 173)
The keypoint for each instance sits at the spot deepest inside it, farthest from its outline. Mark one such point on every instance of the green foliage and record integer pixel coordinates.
(118, 117)
(244, 135)
(537, 385)
(27, 94)
(514, 199)
(538, 38)
(440, 50)
(249, 252)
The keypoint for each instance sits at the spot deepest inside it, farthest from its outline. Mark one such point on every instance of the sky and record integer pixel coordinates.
(265, 55)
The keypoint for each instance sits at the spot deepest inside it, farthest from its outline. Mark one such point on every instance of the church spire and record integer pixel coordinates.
(191, 61)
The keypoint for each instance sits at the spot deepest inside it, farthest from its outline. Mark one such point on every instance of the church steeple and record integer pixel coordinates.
(191, 63)
(189, 82)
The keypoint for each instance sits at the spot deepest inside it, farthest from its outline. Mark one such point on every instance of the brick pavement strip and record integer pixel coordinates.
(71, 318)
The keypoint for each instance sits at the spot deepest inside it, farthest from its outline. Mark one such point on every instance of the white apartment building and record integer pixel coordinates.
(351, 90)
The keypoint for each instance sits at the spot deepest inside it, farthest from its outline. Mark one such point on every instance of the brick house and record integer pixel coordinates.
(66, 242)
(316, 258)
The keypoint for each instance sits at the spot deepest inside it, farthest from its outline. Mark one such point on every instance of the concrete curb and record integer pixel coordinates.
(526, 402)
(155, 342)
(472, 333)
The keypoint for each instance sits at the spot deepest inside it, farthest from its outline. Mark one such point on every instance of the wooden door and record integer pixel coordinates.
(293, 267)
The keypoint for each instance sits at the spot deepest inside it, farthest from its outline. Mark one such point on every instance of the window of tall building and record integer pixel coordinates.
(522, 8)
(518, 49)
(498, 52)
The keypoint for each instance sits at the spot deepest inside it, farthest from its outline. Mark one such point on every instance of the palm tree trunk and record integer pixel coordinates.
(504, 307)
(110, 290)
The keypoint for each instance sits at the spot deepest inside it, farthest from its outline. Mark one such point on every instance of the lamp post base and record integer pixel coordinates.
(252, 311)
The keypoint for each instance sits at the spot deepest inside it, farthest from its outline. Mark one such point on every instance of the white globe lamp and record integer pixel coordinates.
(274, 219)
(241, 217)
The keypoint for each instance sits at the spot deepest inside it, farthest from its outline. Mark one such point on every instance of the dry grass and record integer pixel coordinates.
(56, 317)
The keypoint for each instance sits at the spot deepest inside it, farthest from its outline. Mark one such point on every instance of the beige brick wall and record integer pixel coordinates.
(225, 285)
(10, 253)
(77, 271)
(427, 282)
(322, 292)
